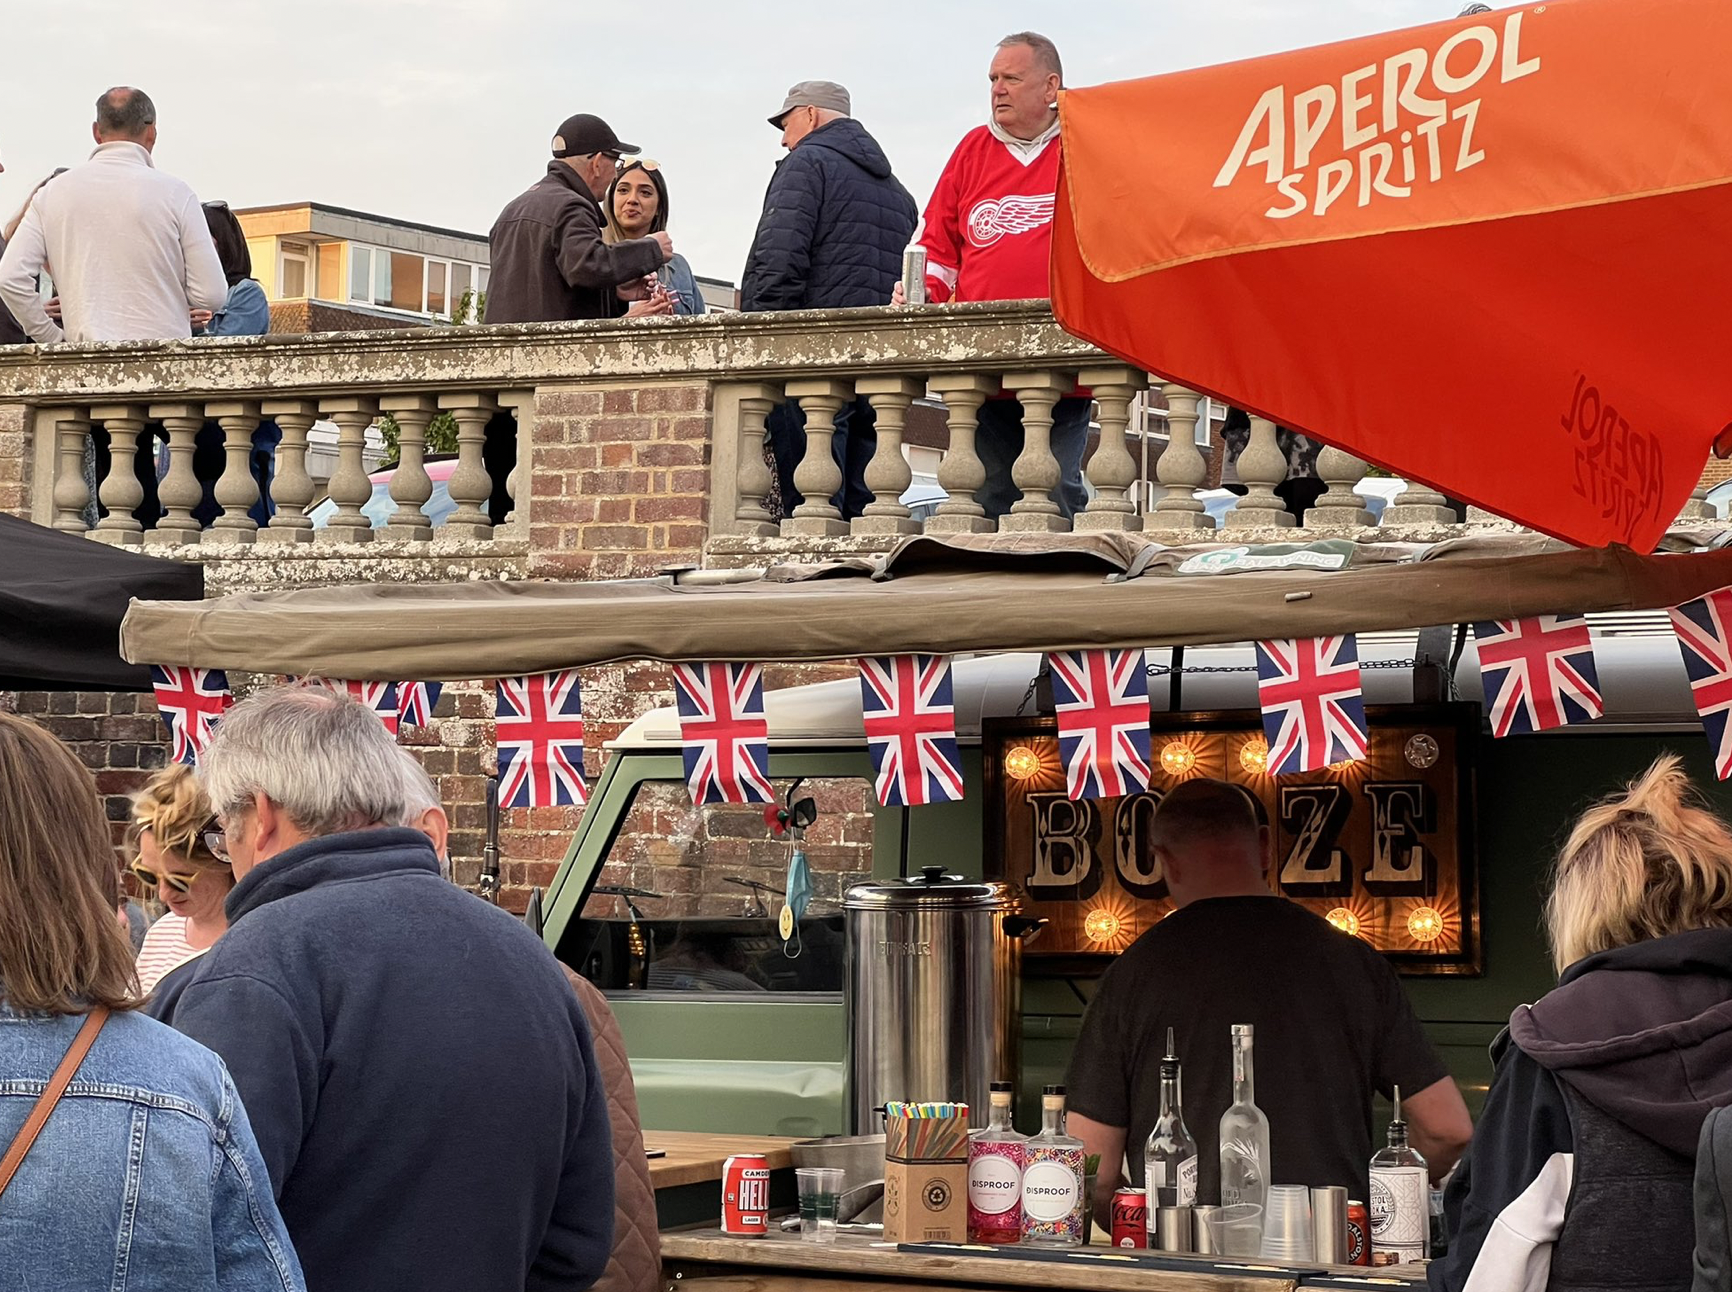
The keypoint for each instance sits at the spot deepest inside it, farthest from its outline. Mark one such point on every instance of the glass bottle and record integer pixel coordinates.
(1400, 1202)
(1244, 1132)
(995, 1161)
(1170, 1156)
(1053, 1199)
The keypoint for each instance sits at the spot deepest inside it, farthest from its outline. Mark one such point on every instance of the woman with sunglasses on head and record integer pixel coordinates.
(170, 818)
(131, 1161)
(636, 207)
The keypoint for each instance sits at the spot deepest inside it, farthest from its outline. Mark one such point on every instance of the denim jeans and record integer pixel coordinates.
(852, 446)
(999, 442)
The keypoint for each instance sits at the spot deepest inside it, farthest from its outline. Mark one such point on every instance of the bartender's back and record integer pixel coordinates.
(1332, 1025)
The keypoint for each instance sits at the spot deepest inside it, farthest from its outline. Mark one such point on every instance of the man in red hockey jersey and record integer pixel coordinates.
(988, 237)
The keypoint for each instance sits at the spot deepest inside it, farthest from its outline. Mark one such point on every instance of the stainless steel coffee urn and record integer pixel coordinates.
(934, 991)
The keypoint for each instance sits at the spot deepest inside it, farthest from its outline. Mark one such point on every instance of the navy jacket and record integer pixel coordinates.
(417, 1071)
(835, 224)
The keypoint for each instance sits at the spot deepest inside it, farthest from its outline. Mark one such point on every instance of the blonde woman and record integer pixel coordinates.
(171, 822)
(145, 1174)
(1579, 1175)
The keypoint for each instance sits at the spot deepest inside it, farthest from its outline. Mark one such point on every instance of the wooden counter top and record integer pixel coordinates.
(866, 1258)
(695, 1157)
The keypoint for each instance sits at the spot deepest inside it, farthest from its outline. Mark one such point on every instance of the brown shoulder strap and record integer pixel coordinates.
(50, 1095)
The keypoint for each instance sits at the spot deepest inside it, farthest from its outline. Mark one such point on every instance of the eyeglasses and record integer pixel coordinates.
(627, 161)
(213, 838)
(180, 882)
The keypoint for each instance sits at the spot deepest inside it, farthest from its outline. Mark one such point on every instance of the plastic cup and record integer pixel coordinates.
(1287, 1228)
(820, 1188)
(1236, 1230)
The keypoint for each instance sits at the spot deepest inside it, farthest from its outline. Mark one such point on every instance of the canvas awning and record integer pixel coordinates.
(952, 596)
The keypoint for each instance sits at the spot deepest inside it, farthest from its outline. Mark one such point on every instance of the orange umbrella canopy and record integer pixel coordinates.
(1492, 254)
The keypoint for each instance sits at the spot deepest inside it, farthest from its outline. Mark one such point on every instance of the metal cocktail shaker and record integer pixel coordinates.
(1329, 1224)
(914, 275)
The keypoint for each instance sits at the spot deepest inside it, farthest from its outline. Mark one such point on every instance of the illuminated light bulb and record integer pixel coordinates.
(1345, 920)
(1022, 763)
(1254, 756)
(1177, 758)
(1424, 924)
(1101, 925)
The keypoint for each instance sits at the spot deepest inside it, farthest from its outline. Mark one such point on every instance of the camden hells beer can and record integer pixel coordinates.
(1358, 1234)
(1131, 1218)
(746, 1195)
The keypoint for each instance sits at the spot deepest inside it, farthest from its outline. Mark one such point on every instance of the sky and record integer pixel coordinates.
(440, 111)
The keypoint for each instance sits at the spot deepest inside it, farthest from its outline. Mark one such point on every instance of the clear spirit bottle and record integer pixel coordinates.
(1170, 1156)
(1053, 1198)
(995, 1162)
(1400, 1202)
(1244, 1132)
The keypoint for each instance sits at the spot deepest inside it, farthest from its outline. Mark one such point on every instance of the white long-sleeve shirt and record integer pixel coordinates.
(129, 249)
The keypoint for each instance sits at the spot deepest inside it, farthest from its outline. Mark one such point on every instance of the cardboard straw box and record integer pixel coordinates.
(926, 1179)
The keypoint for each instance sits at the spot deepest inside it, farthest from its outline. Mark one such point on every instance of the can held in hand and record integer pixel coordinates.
(914, 275)
(1358, 1233)
(746, 1195)
(1131, 1218)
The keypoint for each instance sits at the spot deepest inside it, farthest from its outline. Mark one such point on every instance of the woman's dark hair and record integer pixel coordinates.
(231, 241)
(660, 221)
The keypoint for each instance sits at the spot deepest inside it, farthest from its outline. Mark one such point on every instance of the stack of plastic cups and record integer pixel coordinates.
(1287, 1227)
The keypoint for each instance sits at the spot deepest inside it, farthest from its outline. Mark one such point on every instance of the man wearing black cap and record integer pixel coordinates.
(548, 258)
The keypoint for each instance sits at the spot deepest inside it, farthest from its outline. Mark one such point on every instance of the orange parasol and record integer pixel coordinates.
(1491, 254)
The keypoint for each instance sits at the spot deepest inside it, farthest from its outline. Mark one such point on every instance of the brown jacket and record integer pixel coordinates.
(636, 1263)
(548, 260)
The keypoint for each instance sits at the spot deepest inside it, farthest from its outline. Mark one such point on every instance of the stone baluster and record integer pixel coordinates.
(292, 488)
(751, 471)
(71, 494)
(818, 478)
(1036, 470)
(961, 473)
(410, 486)
(1338, 508)
(119, 490)
(470, 486)
(236, 489)
(1262, 466)
(1181, 468)
(1112, 470)
(1419, 505)
(1697, 509)
(521, 405)
(349, 486)
(888, 474)
(178, 491)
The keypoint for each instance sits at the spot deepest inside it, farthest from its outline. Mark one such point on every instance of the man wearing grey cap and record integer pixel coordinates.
(834, 227)
(548, 258)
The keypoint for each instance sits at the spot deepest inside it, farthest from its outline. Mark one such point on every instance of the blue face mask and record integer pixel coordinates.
(799, 896)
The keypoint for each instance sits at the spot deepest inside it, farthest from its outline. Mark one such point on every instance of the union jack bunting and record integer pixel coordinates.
(1537, 673)
(911, 729)
(191, 701)
(1313, 712)
(1102, 698)
(723, 732)
(1702, 628)
(538, 726)
(380, 697)
(415, 701)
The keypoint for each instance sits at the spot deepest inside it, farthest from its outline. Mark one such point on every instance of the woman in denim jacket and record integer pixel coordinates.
(146, 1175)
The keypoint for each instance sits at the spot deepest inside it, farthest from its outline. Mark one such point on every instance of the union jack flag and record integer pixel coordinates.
(538, 726)
(1538, 673)
(1102, 698)
(415, 701)
(1313, 712)
(1702, 628)
(191, 701)
(724, 736)
(911, 729)
(380, 697)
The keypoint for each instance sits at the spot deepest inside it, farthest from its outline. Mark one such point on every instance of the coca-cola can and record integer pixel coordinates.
(1131, 1218)
(746, 1195)
(1358, 1233)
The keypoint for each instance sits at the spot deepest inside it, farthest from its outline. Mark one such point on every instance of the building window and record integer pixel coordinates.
(459, 282)
(360, 273)
(292, 277)
(436, 287)
(381, 277)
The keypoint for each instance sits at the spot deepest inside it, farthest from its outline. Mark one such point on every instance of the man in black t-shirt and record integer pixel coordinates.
(1333, 1027)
